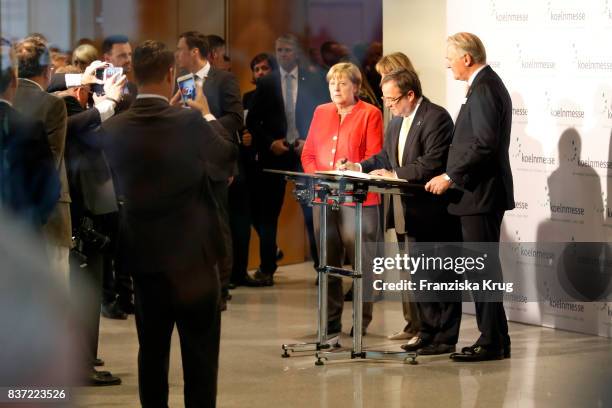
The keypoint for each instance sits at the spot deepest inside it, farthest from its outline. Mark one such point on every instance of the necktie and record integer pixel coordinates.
(406, 123)
(292, 133)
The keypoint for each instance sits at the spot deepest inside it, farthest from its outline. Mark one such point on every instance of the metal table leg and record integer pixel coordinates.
(323, 342)
(357, 351)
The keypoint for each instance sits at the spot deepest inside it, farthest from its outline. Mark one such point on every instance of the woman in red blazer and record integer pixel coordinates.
(346, 128)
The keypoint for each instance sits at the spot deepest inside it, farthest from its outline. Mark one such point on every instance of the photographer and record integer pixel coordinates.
(94, 207)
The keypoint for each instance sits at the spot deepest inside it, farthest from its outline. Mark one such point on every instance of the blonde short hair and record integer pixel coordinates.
(348, 70)
(393, 61)
(470, 44)
(83, 55)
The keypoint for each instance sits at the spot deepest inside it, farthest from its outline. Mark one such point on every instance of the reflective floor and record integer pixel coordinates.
(548, 368)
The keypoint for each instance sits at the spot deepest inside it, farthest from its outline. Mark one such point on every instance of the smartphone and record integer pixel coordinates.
(110, 71)
(99, 88)
(187, 86)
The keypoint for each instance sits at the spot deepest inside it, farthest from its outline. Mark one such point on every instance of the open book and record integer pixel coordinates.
(357, 174)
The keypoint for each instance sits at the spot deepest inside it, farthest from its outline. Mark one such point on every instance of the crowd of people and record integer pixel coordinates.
(146, 201)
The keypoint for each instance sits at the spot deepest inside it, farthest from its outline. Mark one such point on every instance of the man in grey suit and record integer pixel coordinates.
(223, 95)
(31, 99)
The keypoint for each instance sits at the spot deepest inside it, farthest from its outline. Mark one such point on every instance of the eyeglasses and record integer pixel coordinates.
(391, 101)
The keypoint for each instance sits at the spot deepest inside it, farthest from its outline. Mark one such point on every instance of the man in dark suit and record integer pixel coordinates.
(32, 100)
(279, 119)
(29, 183)
(479, 166)
(161, 156)
(93, 199)
(223, 95)
(415, 149)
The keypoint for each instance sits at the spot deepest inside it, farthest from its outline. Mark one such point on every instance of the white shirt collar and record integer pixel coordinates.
(143, 96)
(473, 76)
(5, 101)
(293, 72)
(203, 73)
(35, 83)
(416, 108)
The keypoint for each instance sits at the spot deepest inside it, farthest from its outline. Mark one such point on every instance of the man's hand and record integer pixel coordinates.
(344, 164)
(438, 185)
(247, 138)
(298, 146)
(383, 173)
(200, 103)
(230, 180)
(176, 99)
(89, 76)
(113, 87)
(278, 147)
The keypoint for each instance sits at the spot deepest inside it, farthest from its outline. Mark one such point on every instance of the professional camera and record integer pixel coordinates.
(86, 239)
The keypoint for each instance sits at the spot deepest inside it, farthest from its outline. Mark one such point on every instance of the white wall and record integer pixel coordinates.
(418, 29)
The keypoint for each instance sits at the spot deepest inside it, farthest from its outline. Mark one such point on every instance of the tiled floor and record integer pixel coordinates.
(548, 368)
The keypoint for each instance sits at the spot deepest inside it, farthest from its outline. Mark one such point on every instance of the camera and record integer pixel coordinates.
(86, 239)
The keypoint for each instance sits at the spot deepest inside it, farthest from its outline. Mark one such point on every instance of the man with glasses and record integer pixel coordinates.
(416, 146)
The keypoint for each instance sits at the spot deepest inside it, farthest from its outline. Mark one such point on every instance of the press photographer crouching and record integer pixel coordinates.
(93, 209)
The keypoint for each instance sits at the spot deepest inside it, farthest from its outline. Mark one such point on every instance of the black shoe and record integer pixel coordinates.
(222, 305)
(478, 353)
(363, 331)
(415, 343)
(232, 286)
(98, 362)
(127, 307)
(102, 378)
(264, 278)
(250, 282)
(112, 311)
(436, 349)
(507, 350)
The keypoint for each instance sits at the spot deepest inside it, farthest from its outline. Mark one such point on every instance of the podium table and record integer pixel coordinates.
(334, 190)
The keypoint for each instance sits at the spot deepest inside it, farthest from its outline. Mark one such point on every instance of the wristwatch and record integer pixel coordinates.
(447, 178)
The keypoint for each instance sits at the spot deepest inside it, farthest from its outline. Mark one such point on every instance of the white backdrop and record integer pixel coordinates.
(556, 61)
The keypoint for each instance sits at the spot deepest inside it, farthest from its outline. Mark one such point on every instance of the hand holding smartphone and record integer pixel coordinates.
(187, 88)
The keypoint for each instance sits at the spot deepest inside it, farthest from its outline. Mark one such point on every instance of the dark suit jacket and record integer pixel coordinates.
(159, 154)
(424, 157)
(89, 175)
(478, 161)
(266, 119)
(29, 183)
(49, 109)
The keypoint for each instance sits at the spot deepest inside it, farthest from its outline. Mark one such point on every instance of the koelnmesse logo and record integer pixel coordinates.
(591, 64)
(563, 112)
(566, 15)
(530, 158)
(507, 16)
(529, 63)
(606, 107)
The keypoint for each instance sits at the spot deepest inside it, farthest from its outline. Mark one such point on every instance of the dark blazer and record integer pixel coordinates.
(89, 175)
(29, 182)
(34, 102)
(424, 157)
(478, 161)
(160, 155)
(266, 119)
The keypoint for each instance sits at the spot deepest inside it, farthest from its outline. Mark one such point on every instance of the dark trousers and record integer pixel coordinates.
(116, 281)
(86, 295)
(490, 316)
(240, 226)
(312, 240)
(439, 322)
(158, 309)
(269, 205)
(341, 242)
(224, 265)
